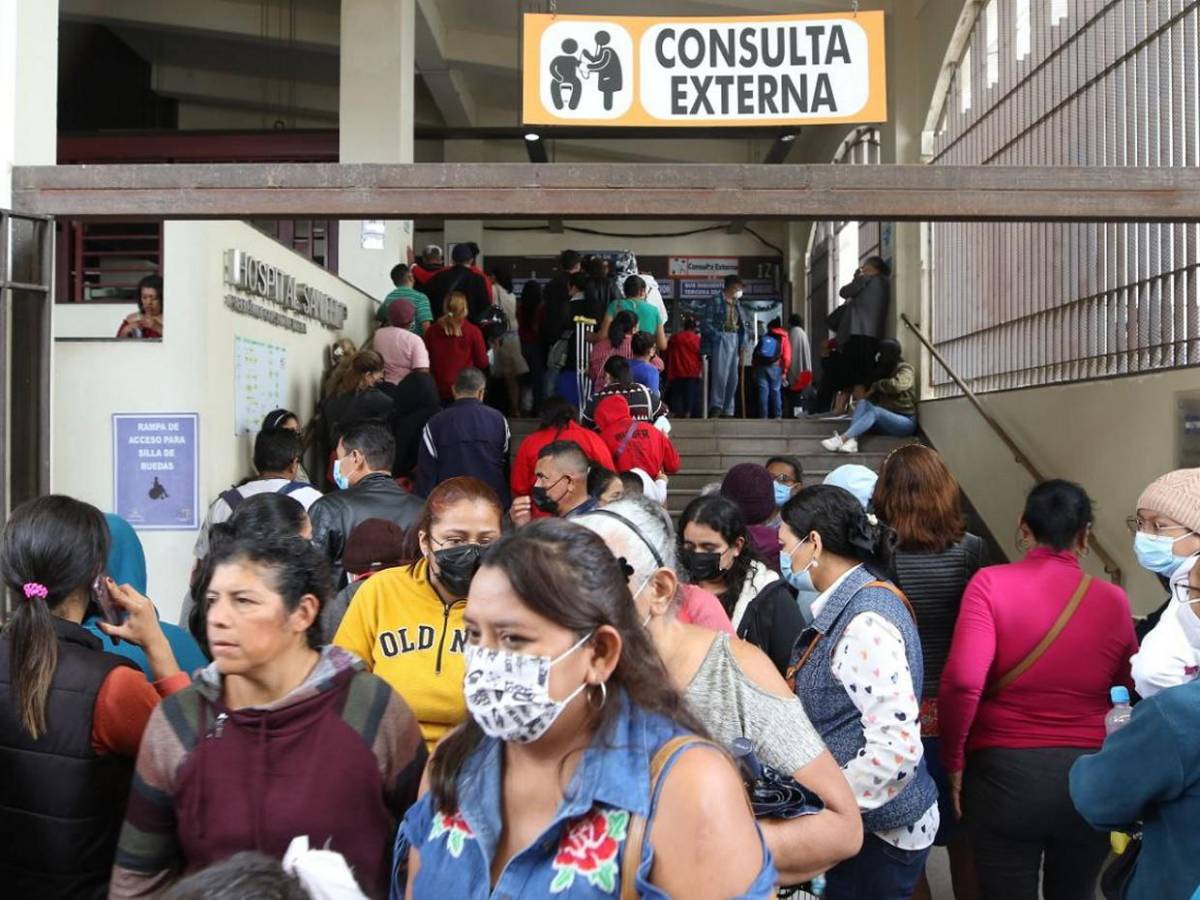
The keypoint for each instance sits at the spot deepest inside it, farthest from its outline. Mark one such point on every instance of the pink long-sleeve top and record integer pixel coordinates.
(1062, 699)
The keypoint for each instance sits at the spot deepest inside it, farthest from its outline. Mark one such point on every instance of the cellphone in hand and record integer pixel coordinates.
(110, 610)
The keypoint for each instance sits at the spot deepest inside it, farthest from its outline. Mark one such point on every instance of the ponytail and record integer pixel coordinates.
(845, 528)
(622, 324)
(52, 548)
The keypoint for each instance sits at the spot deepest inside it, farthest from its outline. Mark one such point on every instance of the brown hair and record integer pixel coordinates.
(566, 573)
(364, 363)
(450, 492)
(456, 314)
(920, 499)
(54, 545)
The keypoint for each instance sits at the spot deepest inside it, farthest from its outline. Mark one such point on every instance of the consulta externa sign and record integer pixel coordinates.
(748, 70)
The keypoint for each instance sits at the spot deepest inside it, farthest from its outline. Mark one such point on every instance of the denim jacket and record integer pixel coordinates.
(579, 854)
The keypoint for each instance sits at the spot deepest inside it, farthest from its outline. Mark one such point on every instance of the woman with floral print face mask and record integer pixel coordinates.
(542, 791)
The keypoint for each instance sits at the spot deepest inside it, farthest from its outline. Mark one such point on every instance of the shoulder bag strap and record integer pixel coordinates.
(1044, 644)
(631, 857)
(233, 498)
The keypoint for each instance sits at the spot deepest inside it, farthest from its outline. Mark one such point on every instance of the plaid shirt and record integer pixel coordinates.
(712, 323)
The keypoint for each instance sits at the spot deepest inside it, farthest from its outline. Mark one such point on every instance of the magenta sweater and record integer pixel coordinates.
(1062, 700)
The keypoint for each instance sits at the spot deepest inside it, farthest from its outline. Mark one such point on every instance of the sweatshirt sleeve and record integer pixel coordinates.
(402, 755)
(1102, 788)
(358, 630)
(902, 381)
(123, 707)
(972, 651)
(671, 461)
(148, 853)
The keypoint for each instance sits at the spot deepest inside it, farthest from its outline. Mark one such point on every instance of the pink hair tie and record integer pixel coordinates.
(33, 589)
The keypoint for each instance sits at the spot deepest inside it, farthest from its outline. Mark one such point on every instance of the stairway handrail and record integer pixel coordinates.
(1110, 565)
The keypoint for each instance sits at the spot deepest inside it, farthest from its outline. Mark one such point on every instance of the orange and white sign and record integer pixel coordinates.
(743, 71)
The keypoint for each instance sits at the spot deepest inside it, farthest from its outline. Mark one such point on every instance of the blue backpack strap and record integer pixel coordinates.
(233, 497)
(292, 486)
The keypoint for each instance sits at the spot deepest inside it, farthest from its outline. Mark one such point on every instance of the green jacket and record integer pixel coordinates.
(898, 394)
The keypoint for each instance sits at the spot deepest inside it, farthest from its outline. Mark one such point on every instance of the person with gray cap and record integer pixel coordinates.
(428, 265)
(1166, 541)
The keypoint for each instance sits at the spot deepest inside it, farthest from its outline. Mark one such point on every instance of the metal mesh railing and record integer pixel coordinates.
(1023, 304)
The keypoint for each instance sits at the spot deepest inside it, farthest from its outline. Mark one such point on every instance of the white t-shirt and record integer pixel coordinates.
(220, 510)
(654, 296)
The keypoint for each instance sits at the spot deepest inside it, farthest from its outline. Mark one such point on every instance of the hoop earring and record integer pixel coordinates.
(603, 696)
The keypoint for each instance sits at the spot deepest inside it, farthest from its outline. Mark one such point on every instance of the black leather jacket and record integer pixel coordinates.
(336, 514)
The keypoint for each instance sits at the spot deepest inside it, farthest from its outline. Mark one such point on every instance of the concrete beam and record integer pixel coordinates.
(447, 86)
(236, 91)
(665, 191)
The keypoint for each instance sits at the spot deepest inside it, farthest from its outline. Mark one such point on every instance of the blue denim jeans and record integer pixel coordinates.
(769, 380)
(726, 360)
(867, 416)
(879, 872)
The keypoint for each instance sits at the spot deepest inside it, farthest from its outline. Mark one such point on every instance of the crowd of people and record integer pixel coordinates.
(456, 675)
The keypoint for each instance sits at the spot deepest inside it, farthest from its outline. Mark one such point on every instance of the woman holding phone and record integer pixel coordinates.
(71, 715)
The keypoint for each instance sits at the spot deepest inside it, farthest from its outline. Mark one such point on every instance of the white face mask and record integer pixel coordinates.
(508, 694)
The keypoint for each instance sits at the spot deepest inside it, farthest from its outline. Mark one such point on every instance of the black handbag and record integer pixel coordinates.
(1115, 878)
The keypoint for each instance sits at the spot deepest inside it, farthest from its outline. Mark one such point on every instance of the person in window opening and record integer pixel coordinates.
(723, 334)
(734, 690)
(539, 791)
(1014, 720)
(71, 715)
(867, 298)
(716, 553)
(337, 738)
(147, 322)
(1166, 541)
(406, 623)
(857, 669)
(890, 407)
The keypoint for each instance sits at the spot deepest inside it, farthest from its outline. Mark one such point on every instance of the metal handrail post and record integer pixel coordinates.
(1110, 565)
(704, 387)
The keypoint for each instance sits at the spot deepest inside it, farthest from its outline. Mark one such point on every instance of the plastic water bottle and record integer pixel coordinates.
(1118, 717)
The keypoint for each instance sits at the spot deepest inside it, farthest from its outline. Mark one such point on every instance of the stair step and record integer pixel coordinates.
(821, 461)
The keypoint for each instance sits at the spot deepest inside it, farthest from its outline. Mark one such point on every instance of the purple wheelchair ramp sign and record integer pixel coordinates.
(155, 472)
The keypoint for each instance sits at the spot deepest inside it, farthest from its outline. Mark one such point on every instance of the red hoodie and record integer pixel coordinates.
(634, 445)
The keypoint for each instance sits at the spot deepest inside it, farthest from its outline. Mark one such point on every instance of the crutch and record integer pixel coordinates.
(583, 359)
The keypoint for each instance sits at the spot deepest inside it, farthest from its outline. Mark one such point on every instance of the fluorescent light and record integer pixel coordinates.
(532, 136)
(787, 138)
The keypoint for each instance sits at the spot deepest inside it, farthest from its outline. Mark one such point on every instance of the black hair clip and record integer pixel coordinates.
(626, 568)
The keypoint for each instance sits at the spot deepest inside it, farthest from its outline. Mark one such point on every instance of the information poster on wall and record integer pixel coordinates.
(155, 476)
(259, 382)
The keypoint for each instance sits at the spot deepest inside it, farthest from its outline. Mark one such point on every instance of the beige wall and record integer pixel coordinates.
(1114, 437)
(191, 370)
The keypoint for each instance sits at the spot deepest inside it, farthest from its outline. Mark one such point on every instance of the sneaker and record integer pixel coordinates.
(832, 444)
(850, 446)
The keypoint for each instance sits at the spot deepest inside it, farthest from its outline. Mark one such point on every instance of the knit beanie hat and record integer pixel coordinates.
(374, 544)
(1176, 494)
(400, 313)
(752, 488)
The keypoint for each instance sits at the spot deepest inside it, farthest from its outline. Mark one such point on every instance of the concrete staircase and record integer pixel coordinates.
(709, 447)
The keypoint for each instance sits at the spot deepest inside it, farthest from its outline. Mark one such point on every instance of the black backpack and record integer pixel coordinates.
(493, 323)
(235, 498)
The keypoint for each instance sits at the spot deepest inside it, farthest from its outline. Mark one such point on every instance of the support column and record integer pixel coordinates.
(375, 123)
(459, 230)
(28, 87)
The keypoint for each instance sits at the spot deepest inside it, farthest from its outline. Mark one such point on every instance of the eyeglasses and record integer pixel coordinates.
(1137, 523)
(1185, 593)
(785, 479)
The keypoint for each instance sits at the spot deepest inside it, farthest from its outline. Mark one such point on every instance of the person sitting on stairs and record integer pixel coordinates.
(890, 406)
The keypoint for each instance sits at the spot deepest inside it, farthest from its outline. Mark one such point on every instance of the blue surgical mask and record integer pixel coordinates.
(1156, 552)
(802, 580)
(783, 493)
(338, 478)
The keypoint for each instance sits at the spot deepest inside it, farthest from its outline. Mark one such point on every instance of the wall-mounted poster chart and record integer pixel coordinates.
(156, 483)
(259, 382)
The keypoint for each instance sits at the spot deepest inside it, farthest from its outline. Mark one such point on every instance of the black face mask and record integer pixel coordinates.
(457, 566)
(701, 566)
(542, 500)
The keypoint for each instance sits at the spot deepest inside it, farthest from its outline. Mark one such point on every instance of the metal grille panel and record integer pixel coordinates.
(1101, 83)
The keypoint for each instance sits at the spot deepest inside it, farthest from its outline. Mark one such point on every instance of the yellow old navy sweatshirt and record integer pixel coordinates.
(399, 626)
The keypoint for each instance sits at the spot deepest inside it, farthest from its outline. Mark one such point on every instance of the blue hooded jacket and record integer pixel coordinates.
(127, 565)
